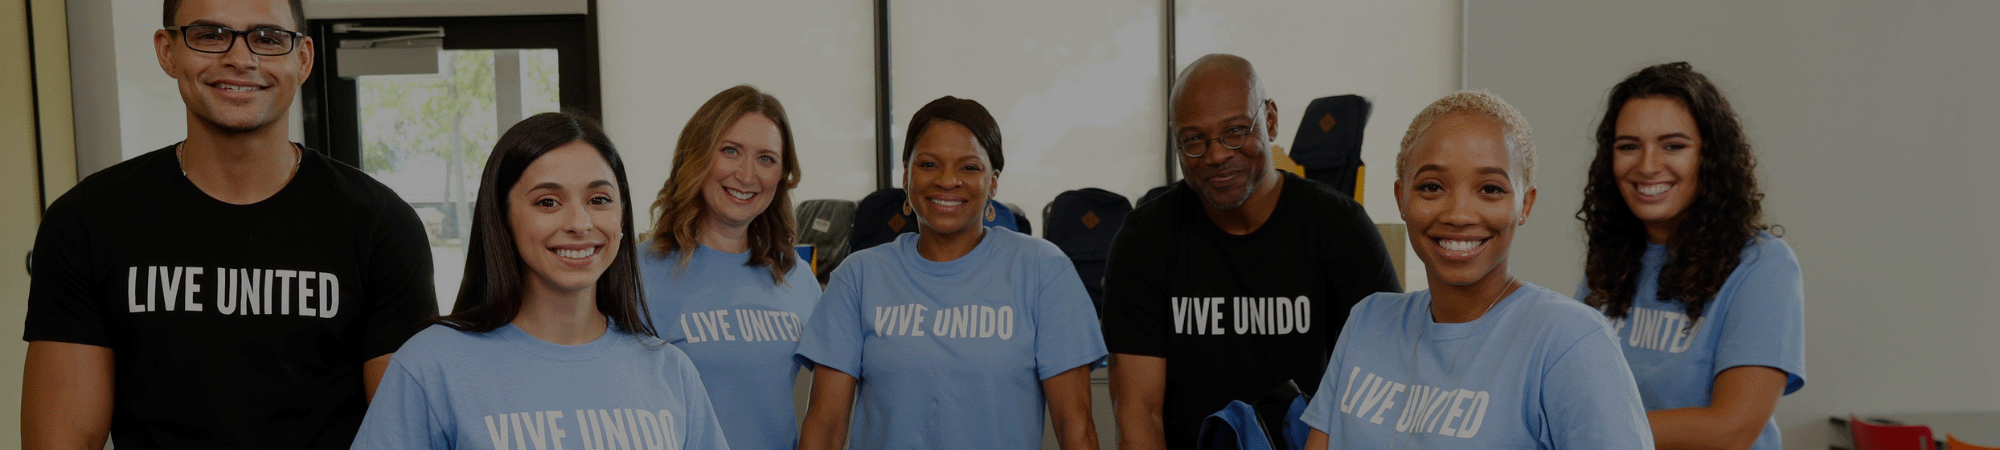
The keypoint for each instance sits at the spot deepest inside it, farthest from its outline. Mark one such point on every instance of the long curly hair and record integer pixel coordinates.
(679, 203)
(1726, 214)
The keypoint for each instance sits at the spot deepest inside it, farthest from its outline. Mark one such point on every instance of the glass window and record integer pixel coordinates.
(427, 137)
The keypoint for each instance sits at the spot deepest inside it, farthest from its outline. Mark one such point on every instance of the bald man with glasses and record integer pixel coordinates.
(1238, 278)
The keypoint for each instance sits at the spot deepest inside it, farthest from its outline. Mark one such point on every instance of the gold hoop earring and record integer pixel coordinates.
(990, 214)
(906, 208)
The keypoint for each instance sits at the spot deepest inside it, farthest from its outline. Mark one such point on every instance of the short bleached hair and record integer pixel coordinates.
(1519, 140)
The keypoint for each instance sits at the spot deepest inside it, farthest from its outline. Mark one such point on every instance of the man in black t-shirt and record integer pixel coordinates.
(1235, 280)
(233, 290)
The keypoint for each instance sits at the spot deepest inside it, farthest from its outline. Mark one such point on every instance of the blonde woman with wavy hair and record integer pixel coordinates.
(719, 274)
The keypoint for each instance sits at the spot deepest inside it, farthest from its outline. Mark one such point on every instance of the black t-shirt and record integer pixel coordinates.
(1237, 315)
(232, 326)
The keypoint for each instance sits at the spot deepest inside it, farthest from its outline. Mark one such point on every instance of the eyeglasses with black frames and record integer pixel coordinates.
(1233, 138)
(261, 41)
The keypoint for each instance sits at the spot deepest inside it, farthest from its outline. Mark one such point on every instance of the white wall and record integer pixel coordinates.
(94, 74)
(150, 112)
(663, 60)
(1075, 87)
(1871, 124)
(124, 104)
(1401, 55)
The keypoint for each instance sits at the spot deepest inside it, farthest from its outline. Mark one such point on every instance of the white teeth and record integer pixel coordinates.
(740, 195)
(1458, 245)
(948, 202)
(1654, 189)
(235, 88)
(578, 254)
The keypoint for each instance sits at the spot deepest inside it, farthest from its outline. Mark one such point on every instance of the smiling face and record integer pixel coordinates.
(566, 216)
(1215, 105)
(236, 91)
(949, 180)
(1462, 199)
(743, 174)
(1657, 160)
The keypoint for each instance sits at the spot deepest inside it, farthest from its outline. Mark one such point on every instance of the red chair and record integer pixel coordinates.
(1868, 436)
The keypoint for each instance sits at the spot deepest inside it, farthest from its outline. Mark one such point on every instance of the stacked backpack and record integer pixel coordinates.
(1328, 143)
(1082, 223)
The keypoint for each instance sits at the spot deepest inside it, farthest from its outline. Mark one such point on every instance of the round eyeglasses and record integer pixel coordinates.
(261, 41)
(1194, 146)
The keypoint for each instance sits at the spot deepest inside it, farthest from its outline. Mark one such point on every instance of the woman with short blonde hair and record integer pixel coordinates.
(1481, 359)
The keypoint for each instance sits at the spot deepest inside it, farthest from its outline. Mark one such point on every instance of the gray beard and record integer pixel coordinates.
(1249, 189)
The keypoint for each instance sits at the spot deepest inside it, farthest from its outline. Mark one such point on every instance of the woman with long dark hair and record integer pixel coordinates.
(719, 271)
(548, 344)
(1707, 304)
(959, 335)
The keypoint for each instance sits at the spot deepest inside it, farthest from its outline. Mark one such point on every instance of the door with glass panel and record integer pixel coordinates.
(419, 103)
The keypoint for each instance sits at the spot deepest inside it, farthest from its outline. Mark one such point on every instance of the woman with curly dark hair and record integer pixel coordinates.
(1707, 304)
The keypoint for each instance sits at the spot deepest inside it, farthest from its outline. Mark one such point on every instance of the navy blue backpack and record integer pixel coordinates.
(1328, 142)
(1081, 223)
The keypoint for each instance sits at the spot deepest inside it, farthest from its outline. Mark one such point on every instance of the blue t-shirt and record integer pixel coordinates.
(1538, 371)
(506, 389)
(740, 329)
(1756, 319)
(952, 354)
